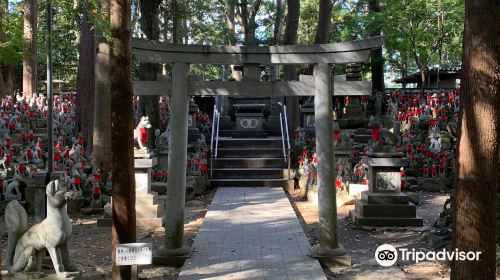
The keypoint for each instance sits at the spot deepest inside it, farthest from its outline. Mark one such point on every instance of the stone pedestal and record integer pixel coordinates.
(384, 204)
(307, 117)
(249, 119)
(149, 206)
(193, 129)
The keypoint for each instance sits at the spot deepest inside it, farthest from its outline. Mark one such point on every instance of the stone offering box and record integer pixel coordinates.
(249, 116)
(384, 204)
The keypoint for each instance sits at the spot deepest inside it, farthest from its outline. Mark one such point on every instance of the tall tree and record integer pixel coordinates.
(85, 88)
(176, 39)
(323, 30)
(124, 222)
(150, 26)
(376, 61)
(291, 28)
(30, 78)
(477, 180)
(278, 26)
(247, 19)
(102, 95)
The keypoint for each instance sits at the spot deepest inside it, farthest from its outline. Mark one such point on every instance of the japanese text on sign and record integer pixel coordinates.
(134, 254)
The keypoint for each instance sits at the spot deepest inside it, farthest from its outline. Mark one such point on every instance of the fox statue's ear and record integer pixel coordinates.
(51, 189)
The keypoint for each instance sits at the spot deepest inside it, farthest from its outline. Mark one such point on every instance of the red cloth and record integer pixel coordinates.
(29, 154)
(96, 192)
(143, 137)
(376, 133)
(76, 180)
(336, 135)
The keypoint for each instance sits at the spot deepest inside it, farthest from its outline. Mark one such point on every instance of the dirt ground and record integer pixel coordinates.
(362, 243)
(90, 245)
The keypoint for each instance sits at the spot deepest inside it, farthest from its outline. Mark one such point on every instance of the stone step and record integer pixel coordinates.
(388, 222)
(229, 132)
(254, 183)
(362, 138)
(249, 153)
(386, 210)
(249, 163)
(250, 143)
(249, 173)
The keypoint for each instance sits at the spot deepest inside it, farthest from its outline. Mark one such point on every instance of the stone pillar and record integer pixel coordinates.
(173, 252)
(149, 207)
(328, 251)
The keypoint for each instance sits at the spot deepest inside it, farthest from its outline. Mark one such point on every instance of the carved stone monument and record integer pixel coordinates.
(384, 204)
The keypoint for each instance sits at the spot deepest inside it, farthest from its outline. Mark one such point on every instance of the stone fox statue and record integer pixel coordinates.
(141, 133)
(26, 246)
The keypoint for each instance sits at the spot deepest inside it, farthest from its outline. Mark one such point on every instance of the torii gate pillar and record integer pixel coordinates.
(174, 252)
(328, 251)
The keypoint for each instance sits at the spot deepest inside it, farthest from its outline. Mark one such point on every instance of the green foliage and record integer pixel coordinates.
(11, 34)
(412, 33)
(418, 29)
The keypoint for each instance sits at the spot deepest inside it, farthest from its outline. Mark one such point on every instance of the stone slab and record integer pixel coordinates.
(386, 162)
(140, 163)
(384, 198)
(386, 210)
(386, 222)
(251, 233)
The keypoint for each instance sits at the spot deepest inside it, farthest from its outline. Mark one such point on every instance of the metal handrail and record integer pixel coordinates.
(213, 127)
(287, 138)
(286, 128)
(282, 136)
(212, 141)
(217, 137)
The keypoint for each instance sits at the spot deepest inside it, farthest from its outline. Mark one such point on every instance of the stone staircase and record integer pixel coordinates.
(250, 162)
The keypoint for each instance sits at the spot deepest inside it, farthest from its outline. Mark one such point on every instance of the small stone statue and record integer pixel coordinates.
(26, 246)
(141, 133)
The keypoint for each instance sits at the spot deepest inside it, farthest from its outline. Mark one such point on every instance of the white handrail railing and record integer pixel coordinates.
(286, 128)
(282, 136)
(217, 137)
(213, 128)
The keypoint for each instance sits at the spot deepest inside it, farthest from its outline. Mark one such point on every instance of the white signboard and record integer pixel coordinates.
(134, 254)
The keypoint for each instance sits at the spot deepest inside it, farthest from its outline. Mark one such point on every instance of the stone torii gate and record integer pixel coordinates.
(179, 89)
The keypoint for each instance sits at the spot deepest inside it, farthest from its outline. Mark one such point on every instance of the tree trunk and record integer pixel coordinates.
(85, 88)
(423, 80)
(230, 21)
(175, 22)
(150, 26)
(292, 25)
(30, 78)
(377, 61)
(9, 78)
(122, 145)
(278, 26)
(477, 181)
(323, 30)
(2, 83)
(102, 101)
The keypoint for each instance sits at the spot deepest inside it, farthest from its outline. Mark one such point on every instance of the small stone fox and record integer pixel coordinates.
(26, 246)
